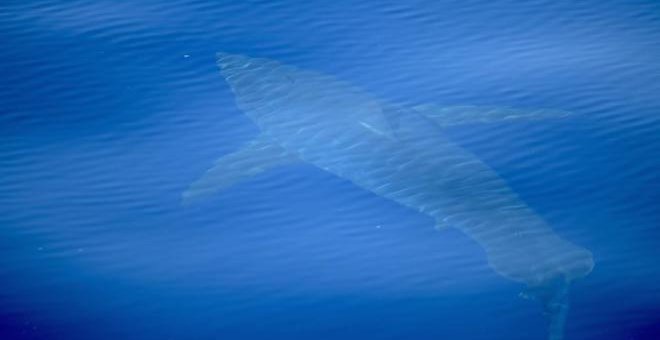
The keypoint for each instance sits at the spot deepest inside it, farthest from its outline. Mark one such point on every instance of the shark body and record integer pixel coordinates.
(398, 153)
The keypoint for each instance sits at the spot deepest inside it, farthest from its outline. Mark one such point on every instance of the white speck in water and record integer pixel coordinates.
(378, 226)
(186, 55)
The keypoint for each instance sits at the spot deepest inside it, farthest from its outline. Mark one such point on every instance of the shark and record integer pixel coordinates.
(400, 153)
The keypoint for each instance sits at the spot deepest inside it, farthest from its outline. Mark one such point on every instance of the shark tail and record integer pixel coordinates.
(556, 310)
(554, 297)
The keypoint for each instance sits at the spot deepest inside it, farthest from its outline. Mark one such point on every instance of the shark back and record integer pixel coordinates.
(401, 154)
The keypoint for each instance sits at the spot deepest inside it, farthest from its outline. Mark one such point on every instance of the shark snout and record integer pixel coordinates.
(227, 60)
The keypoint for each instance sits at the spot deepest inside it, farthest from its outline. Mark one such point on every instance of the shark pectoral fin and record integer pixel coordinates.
(446, 116)
(255, 157)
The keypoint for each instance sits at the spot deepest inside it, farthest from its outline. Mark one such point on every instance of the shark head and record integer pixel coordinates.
(270, 92)
(257, 83)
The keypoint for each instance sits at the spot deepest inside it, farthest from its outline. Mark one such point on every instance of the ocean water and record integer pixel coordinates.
(110, 110)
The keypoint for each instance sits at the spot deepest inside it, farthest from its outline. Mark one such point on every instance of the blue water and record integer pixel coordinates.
(109, 110)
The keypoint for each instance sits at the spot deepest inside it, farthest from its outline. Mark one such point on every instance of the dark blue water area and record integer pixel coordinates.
(109, 110)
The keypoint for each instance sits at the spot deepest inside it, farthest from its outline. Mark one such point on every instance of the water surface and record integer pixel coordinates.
(110, 110)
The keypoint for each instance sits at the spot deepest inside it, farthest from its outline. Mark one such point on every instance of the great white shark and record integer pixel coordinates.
(399, 153)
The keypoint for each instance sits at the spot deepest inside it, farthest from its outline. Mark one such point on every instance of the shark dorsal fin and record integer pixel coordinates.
(372, 118)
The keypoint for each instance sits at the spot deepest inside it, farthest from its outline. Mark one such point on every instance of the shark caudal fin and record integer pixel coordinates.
(255, 157)
(554, 297)
(447, 116)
